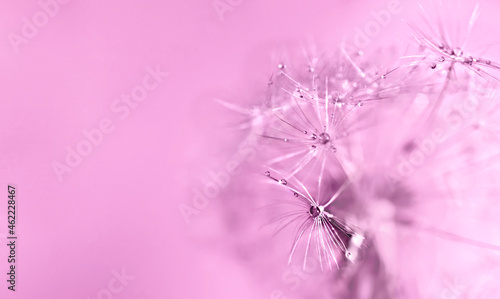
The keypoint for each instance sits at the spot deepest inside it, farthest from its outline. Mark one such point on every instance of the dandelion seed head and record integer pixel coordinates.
(313, 113)
(447, 46)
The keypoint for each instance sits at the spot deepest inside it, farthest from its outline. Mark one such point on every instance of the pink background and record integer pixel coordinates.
(119, 208)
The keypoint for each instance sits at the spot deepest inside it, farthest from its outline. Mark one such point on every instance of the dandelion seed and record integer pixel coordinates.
(318, 227)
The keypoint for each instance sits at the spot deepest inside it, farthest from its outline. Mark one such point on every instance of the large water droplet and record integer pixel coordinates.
(314, 211)
(457, 52)
(324, 138)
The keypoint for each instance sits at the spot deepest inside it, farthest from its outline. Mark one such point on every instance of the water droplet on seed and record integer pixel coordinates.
(457, 52)
(314, 211)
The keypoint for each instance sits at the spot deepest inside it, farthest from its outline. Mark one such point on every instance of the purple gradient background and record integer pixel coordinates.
(119, 208)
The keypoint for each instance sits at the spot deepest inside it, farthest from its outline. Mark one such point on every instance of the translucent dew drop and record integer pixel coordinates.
(324, 138)
(267, 173)
(314, 211)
